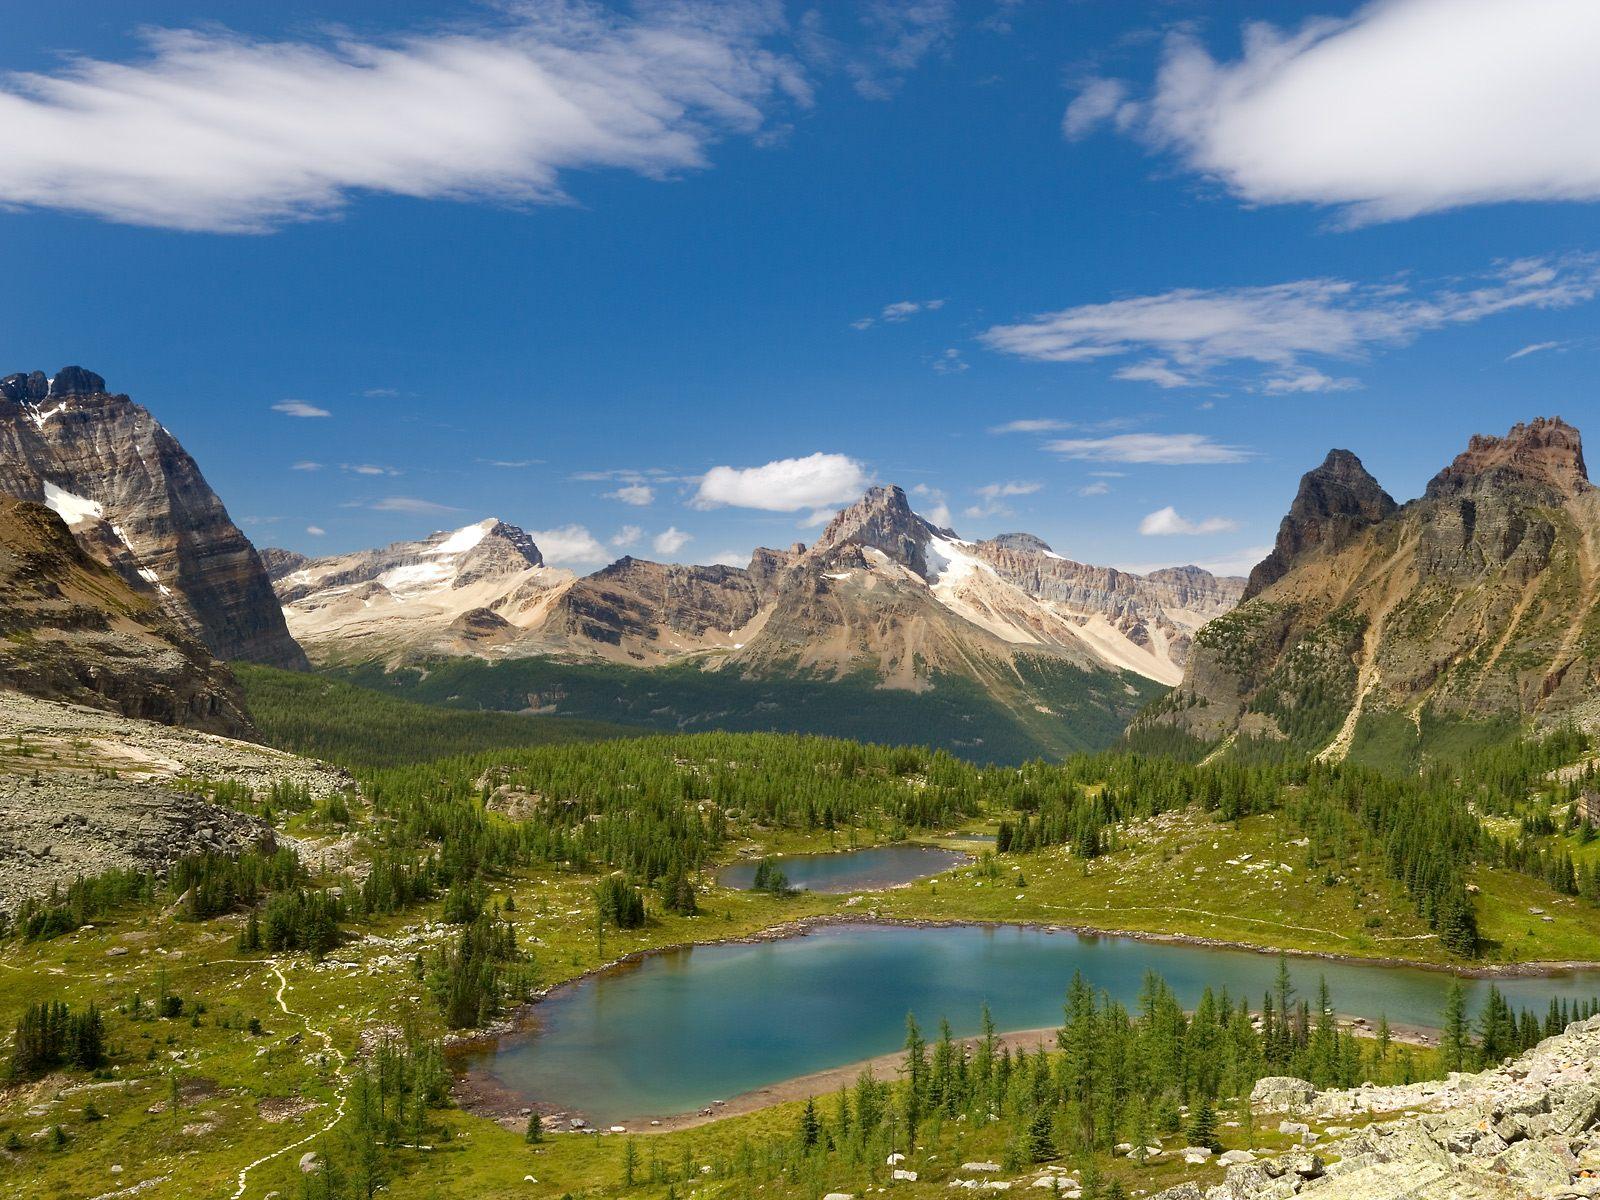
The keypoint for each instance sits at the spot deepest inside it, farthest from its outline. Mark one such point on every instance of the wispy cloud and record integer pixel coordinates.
(1273, 329)
(221, 132)
(932, 504)
(730, 558)
(306, 465)
(1534, 348)
(950, 362)
(1167, 522)
(299, 408)
(784, 485)
(900, 310)
(316, 530)
(409, 504)
(1033, 425)
(369, 469)
(899, 35)
(628, 535)
(994, 496)
(1098, 488)
(1162, 449)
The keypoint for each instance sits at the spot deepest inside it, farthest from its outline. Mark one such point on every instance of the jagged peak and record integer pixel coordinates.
(1544, 451)
(1335, 501)
(33, 387)
(882, 520)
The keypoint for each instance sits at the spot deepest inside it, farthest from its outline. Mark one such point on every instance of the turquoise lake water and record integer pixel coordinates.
(852, 870)
(675, 1031)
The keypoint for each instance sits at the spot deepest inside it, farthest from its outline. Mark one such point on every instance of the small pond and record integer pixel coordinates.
(851, 870)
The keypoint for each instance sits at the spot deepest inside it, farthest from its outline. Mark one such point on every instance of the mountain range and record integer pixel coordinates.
(1384, 631)
(882, 590)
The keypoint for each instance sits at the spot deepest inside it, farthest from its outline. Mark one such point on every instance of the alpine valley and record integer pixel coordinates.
(399, 870)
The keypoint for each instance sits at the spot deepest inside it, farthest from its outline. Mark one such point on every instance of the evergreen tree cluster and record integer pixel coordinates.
(50, 1035)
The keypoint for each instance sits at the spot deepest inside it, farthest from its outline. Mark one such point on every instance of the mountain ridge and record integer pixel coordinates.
(1470, 608)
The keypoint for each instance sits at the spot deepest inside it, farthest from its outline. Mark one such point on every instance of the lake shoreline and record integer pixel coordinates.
(481, 1095)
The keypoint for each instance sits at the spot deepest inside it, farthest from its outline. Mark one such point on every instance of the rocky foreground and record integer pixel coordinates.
(1530, 1128)
(84, 791)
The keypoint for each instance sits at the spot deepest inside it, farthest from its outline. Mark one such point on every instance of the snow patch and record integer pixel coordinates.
(464, 539)
(950, 564)
(74, 510)
(415, 577)
(149, 576)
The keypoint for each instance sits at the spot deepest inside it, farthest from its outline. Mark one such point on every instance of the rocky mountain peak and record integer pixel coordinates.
(75, 381)
(1021, 541)
(1336, 501)
(881, 520)
(25, 387)
(1545, 454)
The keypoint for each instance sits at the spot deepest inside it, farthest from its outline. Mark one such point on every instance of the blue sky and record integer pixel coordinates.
(675, 280)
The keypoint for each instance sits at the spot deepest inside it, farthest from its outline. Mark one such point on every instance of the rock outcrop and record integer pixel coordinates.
(1529, 1129)
(84, 790)
(1374, 624)
(74, 629)
(135, 500)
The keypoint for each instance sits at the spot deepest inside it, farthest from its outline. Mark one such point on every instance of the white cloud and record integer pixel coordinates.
(937, 508)
(1535, 348)
(1407, 107)
(217, 131)
(290, 408)
(1164, 449)
(306, 465)
(1166, 522)
(1100, 100)
(950, 362)
(670, 541)
(409, 504)
(731, 558)
(315, 530)
(1098, 488)
(637, 494)
(628, 535)
(369, 469)
(786, 485)
(1196, 330)
(569, 544)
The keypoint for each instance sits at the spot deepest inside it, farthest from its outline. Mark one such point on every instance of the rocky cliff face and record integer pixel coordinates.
(647, 612)
(73, 629)
(136, 501)
(1475, 603)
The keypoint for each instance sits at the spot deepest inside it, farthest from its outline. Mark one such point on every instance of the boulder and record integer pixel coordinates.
(1281, 1093)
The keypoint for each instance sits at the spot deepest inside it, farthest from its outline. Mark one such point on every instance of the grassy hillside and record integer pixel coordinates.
(358, 727)
(1086, 711)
